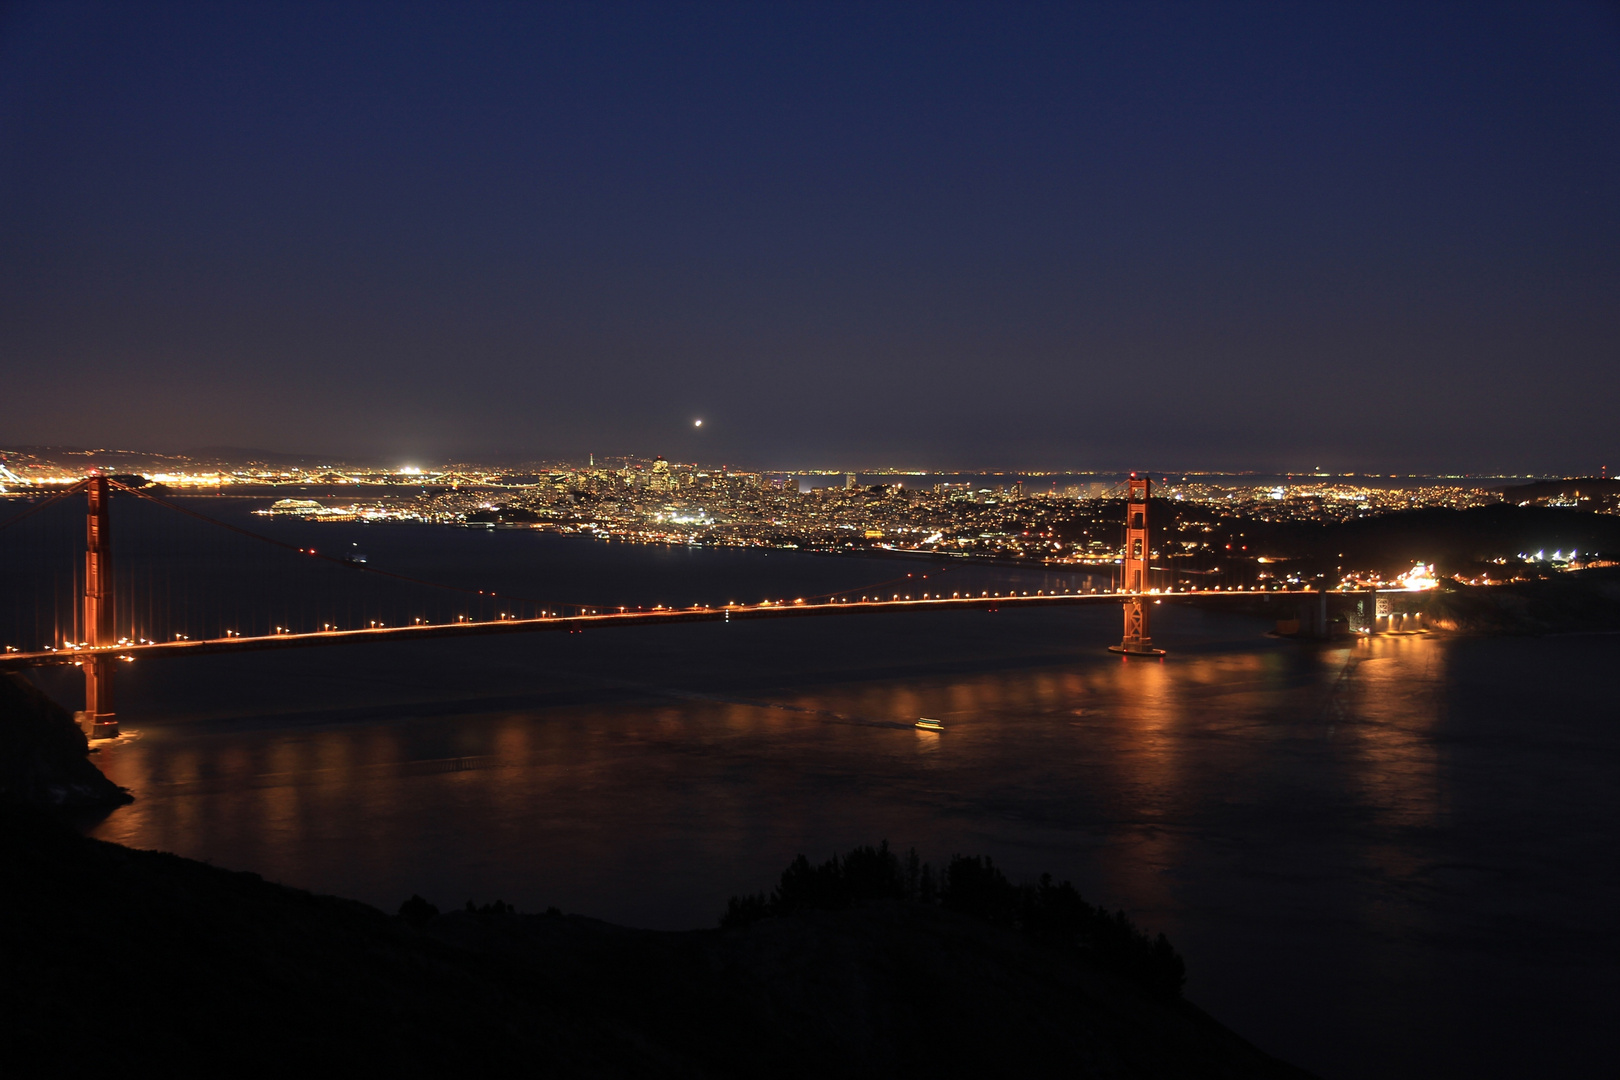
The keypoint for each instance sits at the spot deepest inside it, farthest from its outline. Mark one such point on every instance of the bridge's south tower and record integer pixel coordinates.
(99, 622)
(1134, 570)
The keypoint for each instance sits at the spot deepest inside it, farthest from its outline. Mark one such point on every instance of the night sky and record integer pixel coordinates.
(995, 235)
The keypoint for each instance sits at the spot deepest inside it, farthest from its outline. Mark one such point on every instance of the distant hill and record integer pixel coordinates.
(82, 458)
(241, 455)
(1573, 488)
(1455, 539)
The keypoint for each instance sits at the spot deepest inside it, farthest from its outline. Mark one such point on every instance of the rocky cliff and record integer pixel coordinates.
(44, 757)
(1564, 603)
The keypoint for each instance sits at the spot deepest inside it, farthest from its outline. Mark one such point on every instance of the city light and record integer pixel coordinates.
(1421, 576)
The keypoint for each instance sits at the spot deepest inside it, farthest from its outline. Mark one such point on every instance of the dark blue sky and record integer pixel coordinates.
(1079, 236)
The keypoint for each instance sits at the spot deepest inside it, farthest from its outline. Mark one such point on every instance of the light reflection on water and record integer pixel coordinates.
(1384, 858)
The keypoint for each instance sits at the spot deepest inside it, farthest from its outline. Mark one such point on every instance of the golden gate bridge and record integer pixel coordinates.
(160, 598)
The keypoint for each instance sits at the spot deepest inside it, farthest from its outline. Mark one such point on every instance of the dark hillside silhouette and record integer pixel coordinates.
(119, 961)
(1054, 914)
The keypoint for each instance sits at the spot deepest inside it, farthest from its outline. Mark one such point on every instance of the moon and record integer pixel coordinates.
(697, 423)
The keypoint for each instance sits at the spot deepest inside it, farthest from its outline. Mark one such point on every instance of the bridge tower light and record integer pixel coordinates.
(1135, 580)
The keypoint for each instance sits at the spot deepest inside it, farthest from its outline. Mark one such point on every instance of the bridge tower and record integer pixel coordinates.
(99, 622)
(1134, 570)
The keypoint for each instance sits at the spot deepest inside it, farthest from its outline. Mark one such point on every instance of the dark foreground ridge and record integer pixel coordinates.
(118, 958)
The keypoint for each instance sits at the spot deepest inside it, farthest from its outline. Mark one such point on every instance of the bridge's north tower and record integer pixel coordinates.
(1134, 570)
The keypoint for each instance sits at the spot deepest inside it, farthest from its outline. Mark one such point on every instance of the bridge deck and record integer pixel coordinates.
(604, 620)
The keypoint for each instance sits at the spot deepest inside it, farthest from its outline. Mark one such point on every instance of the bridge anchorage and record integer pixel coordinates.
(1134, 571)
